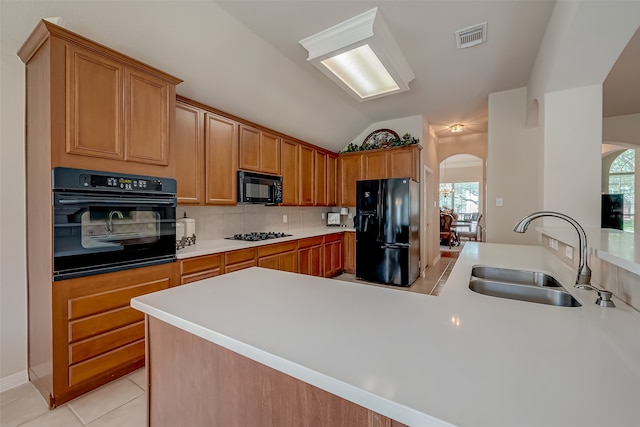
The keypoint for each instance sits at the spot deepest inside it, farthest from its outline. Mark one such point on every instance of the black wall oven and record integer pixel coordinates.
(105, 222)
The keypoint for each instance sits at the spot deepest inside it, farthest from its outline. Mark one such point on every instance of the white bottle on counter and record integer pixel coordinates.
(189, 225)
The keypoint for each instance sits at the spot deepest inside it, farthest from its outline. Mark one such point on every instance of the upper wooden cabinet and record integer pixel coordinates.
(402, 162)
(332, 180)
(290, 174)
(100, 103)
(259, 150)
(221, 158)
(188, 153)
(205, 154)
(350, 171)
(320, 186)
(306, 180)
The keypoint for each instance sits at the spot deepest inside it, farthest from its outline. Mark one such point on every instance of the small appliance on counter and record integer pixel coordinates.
(186, 226)
(333, 219)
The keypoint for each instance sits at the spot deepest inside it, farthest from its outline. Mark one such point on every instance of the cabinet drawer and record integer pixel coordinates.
(103, 343)
(199, 276)
(332, 237)
(122, 356)
(310, 241)
(92, 304)
(241, 255)
(240, 266)
(207, 262)
(103, 322)
(277, 248)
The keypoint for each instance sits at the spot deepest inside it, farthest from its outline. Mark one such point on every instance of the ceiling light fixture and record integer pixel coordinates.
(456, 127)
(361, 56)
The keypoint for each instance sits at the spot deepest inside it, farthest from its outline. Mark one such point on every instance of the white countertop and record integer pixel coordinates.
(460, 358)
(208, 247)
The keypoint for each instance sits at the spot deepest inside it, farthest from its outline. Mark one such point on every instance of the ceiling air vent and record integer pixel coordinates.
(471, 36)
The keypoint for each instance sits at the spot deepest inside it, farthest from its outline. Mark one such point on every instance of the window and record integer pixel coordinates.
(463, 197)
(622, 181)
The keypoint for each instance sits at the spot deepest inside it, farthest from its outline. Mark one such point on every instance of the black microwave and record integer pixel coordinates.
(259, 188)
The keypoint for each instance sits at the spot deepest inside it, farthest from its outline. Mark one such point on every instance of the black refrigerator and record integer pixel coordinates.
(387, 231)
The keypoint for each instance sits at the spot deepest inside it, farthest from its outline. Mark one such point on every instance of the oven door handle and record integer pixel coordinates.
(83, 200)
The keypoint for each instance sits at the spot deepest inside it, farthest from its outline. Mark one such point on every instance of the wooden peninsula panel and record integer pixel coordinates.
(195, 382)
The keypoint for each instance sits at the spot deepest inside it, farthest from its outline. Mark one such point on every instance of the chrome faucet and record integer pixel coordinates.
(584, 272)
(583, 281)
(109, 224)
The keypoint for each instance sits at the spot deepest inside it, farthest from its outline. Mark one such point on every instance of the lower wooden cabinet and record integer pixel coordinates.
(310, 256)
(279, 256)
(96, 335)
(349, 251)
(332, 256)
(202, 267)
(240, 259)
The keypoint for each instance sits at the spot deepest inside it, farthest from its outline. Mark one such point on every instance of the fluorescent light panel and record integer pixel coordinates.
(362, 71)
(361, 56)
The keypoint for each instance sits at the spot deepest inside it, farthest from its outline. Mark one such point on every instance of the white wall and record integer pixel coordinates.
(512, 167)
(624, 129)
(13, 290)
(572, 153)
(411, 125)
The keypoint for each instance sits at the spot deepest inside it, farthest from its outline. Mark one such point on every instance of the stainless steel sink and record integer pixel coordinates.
(521, 285)
(523, 277)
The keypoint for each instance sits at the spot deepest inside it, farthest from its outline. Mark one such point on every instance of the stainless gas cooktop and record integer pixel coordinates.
(255, 236)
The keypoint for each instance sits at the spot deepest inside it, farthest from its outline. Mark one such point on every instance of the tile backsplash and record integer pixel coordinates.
(218, 222)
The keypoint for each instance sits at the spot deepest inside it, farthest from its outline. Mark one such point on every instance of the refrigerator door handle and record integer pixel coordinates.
(394, 245)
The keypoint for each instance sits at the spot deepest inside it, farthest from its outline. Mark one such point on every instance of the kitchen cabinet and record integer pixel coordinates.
(320, 181)
(350, 171)
(375, 165)
(188, 153)
(202, 267)
(259, 150)
(240, 259)
(404, 162)
(310, 256)
(205, 155)
(332, 255)
(279, 256)
(290, 172)
(221, 159)
(96, 336)
(349, 250)
(306, 180)
(332, 180)
(101, 104)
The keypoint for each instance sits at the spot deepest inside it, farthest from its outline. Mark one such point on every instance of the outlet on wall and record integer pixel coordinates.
(322, 215)
(284, 219)
(568, 251)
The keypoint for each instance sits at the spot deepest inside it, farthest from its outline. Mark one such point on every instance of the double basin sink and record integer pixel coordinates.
(522, 285)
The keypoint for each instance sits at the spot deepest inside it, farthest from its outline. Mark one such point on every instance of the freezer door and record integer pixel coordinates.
(368, 211)
(388, 264)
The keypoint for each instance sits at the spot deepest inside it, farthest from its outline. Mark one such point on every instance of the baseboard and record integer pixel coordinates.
(13, 380)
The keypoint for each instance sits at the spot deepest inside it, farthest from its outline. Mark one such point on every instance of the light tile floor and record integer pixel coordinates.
(122, 402)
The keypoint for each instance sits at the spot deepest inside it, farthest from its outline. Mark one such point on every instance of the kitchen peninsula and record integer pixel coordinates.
(285, 349)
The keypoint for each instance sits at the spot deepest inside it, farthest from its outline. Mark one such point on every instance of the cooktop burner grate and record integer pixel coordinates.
(256, 236)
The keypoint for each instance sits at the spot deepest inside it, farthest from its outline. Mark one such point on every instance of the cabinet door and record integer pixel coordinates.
(94, 105)
(188, 153)
(349, 250)
(404, 163)
(332, 180)
(310, 260)
(146, 118)
(350, 170)
(290, 167)
(249, 148)
(270, 153)
(320, 178)
(221, 160)
(375, 165)
(307, 171)
(269, 262)
(288, 261)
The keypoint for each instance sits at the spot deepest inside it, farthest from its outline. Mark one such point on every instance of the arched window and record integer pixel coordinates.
(622, 181)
